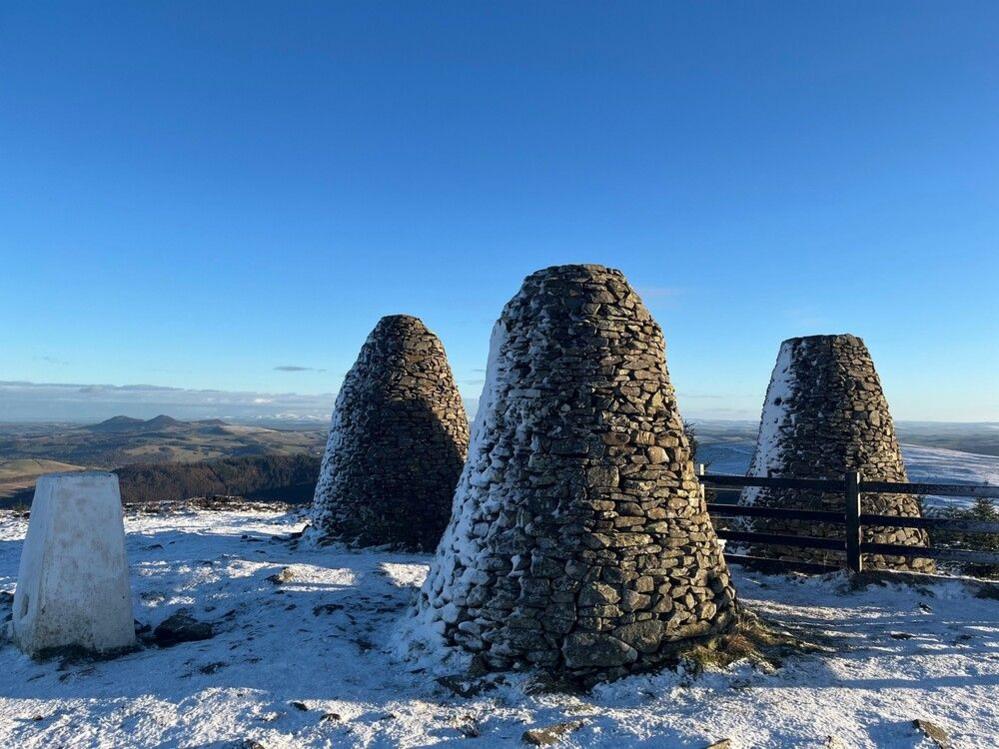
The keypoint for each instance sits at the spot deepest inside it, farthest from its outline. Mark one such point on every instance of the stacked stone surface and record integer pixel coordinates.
(825, 414)
(397, 443)
(579, 541)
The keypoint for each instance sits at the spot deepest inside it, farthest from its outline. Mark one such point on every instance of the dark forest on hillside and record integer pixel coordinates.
(290, 478)
(287, 478)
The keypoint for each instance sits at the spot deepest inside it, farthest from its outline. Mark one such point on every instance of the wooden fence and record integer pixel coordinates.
(851, 486)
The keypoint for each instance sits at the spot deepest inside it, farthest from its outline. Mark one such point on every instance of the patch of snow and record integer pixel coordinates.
(726, 458)
(769, 454)
(421, 635)
(334, 441)
(405, 575)
(323, 638)
(936, 464)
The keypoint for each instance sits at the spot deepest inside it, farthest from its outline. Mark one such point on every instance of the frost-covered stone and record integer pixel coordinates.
(397, 442)
(72, 584)
(579, 539)
(825, 414)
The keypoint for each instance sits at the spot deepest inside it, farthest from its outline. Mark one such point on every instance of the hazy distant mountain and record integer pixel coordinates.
(128, 424)
(119, 424)
(88, 404)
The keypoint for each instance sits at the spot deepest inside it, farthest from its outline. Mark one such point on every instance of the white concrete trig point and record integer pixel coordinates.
(72, 585)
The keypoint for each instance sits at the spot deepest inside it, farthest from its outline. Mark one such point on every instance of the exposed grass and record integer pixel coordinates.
(753, 640)
(29, 468)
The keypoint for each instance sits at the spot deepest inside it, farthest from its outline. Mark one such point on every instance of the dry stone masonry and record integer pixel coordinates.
(579, 540)
(825, 414)
(397, 443)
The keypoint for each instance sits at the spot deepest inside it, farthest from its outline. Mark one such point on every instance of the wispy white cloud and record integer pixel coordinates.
(45, 401)
(296, 368)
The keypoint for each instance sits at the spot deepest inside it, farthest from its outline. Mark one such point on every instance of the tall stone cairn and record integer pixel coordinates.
(579, 540)
(397, 443)
(825, 414)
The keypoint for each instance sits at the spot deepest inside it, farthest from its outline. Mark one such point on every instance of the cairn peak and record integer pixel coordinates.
(401, 321)
(827, 339)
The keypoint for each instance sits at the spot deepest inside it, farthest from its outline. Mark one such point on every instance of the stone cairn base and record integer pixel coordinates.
(825, 414)
(579, 540)
(397, 443)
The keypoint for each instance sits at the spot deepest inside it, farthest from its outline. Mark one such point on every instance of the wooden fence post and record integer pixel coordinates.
(854, 559)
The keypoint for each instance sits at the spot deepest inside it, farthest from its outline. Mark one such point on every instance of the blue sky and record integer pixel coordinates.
(194, 195)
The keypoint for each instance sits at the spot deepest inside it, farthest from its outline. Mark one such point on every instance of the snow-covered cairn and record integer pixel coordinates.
(825, 414)
(72, 583)
(579, 539)
(397, 443)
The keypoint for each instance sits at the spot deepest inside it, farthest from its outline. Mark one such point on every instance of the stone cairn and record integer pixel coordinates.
(825, 414)
(579, 540)
(397, 443)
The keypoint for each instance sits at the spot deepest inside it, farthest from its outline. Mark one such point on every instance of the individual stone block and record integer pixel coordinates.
(825, 414)
(580, 540)
(397, 443)
(72, 584)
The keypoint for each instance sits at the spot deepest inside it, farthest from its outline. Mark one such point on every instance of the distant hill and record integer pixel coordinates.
(124, 440)
(156, 424)
(981, 438)
(117, 424)
(166, 458)
(970, 437)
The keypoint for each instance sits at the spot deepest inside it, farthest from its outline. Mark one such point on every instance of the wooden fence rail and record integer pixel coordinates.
(852, 486)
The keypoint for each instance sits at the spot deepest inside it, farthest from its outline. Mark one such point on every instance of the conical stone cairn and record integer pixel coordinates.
(579, 540)
(825, 414)
(397, 442)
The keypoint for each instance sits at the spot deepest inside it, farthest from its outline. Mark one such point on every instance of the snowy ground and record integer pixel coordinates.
(953, 466)
(899, 653)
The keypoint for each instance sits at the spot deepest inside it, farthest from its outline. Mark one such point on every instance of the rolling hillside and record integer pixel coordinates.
(177, 452)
